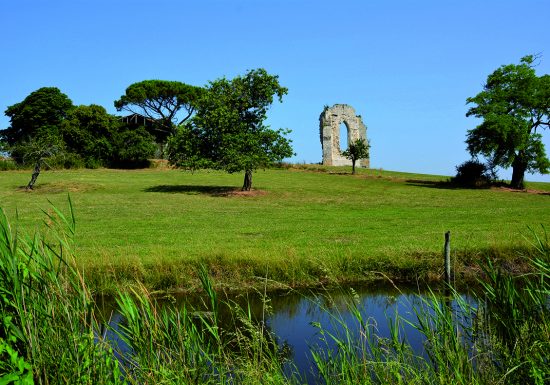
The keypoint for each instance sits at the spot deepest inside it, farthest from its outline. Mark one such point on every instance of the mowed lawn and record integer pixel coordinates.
(298, 225)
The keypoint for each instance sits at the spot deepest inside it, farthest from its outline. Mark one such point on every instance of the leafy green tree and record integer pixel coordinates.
(37, 117)
(168, 103)
(228, 130)
(359, 149)
(133, 148)
(102, 140)
(88, 131)
(38, 152)
(514, 104)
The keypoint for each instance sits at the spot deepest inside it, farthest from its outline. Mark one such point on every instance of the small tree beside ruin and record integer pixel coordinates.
(358, 149)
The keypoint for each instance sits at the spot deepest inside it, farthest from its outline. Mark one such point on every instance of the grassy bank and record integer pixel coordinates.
(299, 227)
(50, 334)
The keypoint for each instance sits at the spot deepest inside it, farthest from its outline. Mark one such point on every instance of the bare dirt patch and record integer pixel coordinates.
(525, 191)
(251, 193)
(161, 164)
(60, 187)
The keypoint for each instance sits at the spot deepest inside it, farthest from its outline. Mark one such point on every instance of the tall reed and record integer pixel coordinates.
(48, 330)
(515, 318)
(502, 337)
(173, 345)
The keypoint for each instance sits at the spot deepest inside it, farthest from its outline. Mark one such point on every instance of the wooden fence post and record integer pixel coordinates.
(448, 257)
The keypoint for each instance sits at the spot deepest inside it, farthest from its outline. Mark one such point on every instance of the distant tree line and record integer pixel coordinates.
(218, 126)
(47, 127)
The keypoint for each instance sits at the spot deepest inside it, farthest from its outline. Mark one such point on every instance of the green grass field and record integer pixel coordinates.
(301, 226)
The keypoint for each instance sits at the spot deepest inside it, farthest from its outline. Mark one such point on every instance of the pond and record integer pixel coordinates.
(295, 318)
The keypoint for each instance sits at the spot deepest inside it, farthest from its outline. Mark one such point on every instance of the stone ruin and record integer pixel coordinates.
(329, 128)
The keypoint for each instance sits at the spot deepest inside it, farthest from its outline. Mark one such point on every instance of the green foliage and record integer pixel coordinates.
(48, 329)
(47, 128)
(359, 149)
(514, 104)
(472, 173)
(7, 164)
(13, 367)
(516, 313)
(190, 345)
(49, 333)
(503, 339)
(37, 116)
(88, 132)
(228, 130)
(100, 139)
(162, 101)
(133, 148)
(38, 150)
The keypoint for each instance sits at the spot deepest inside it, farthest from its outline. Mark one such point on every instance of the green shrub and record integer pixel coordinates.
(67, 160)
(7, 164)
(472, 173)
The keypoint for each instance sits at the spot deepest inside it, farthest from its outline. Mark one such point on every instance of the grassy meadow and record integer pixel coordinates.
(300, 226)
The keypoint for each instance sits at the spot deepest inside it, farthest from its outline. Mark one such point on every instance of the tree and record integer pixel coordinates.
(359, 149)
(228, 131)
(88, 131)
(133, 148)
(514, 104)
(100, 139)
(37, 116)
(38, 151)
(162, 101)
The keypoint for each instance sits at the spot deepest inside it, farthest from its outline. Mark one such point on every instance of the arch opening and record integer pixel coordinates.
(343, 136)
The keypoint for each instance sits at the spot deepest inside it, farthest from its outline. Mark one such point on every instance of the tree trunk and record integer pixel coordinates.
(35, 174)
(247, 184)
(353, 166)
(518, 171)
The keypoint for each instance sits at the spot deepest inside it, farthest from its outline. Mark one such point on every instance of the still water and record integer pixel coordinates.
(292, 317)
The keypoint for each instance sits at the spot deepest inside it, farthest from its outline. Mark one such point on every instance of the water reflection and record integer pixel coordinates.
(293, 323)
(292, 317)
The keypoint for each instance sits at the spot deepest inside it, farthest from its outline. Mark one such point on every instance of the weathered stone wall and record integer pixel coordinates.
(329, 128)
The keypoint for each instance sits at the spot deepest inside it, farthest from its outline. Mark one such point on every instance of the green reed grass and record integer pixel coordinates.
(49, 332)
(503, 339)
(188, 346)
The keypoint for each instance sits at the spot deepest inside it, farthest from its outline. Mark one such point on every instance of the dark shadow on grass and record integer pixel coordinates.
(193, 189)
(446, 185)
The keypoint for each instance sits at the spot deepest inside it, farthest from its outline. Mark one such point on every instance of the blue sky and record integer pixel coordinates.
(406, 66)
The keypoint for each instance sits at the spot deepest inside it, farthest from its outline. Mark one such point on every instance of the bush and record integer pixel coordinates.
(67, 160)
(472, 173)
(133, 148)
(7, 164)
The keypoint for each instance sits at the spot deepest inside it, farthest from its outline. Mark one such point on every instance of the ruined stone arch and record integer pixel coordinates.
(329, 129)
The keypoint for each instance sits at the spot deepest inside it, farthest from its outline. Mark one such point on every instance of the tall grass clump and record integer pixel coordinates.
(173, 345)
(7, 164)
(47, 330)
(501, 336)
(515, 318)
(355, 352)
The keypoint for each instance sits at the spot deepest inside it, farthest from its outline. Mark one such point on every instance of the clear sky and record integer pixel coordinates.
(406, 66)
